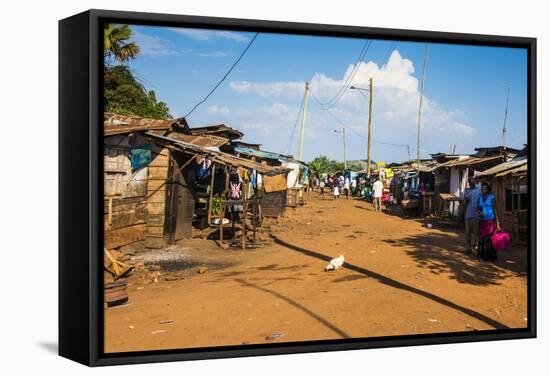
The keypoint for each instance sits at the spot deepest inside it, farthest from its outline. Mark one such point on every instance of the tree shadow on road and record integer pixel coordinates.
(444, 254)
(397, 285)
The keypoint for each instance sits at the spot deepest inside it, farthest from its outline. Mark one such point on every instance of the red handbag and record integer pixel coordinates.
(500, 240)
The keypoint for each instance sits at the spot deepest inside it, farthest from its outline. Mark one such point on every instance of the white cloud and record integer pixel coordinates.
(152, 45)
(212, 54)
(269, 89)
(208, 35)
(396, 99)
(218, 110)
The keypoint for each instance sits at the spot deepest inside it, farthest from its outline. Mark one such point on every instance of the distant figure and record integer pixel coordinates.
(353, 187)
(322, 187)
(330, 182)
(488, 224)
(471, 216)
(336, 191)
(346, 187)
(378, 188)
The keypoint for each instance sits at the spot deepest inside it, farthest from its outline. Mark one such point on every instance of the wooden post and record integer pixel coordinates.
(221, 215)
(254, 211)
(244, 224)
(209, 206)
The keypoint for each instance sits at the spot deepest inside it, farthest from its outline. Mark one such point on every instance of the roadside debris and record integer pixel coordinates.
(166, 321)
(115, 293)
(202, 270)
(275, 336)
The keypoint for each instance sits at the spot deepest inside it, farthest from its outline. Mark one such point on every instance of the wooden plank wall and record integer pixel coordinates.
(156, 233)
(125, 210)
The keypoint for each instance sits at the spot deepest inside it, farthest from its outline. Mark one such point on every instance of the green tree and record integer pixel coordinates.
(322, 164)
(117, 44)
(124, 95)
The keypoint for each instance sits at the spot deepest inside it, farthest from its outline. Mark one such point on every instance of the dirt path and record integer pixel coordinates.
(400, 277)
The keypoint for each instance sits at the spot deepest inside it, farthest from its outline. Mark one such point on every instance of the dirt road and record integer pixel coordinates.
(400, 277)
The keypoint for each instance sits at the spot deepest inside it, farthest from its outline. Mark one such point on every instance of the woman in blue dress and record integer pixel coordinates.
(488, 224)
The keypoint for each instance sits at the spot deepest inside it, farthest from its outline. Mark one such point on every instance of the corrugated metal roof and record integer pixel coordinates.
(114, 124)
(518, 170)
(470, 161)
(219, 129)
(219, 157)
(205, 140)
(504, 167)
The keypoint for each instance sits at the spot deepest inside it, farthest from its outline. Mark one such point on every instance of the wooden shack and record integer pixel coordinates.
(129, 215)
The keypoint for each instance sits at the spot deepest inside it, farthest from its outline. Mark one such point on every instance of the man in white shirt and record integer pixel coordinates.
(346, 187)
(377, 188)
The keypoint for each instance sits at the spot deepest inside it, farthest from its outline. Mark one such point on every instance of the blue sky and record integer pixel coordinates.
(464, 98)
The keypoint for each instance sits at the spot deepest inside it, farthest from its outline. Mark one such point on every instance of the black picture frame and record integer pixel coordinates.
(81, 186)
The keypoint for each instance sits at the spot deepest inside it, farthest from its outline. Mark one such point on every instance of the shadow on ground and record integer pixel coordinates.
(441, 254)
(397, 285)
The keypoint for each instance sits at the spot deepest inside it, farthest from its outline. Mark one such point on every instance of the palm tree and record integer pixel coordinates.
(116, 43)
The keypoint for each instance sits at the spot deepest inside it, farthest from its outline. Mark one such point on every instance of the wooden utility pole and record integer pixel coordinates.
(345, 153)
(301, 146)
(370, 126)
(343, 131)
(420, 110)
(504, 125)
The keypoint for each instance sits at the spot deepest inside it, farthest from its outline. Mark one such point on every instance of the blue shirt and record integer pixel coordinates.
(472, 207)
(486, 206)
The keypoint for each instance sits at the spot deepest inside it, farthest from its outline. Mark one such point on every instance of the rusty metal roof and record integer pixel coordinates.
(220, 130)
(504, 167)
(218, 156)
(114, 124)
(521, 170)
(470, 161)
(204, 140)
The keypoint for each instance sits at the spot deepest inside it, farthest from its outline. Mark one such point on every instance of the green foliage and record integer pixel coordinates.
(322, 164)
(216, 205)
(124, 95)
(117, 44)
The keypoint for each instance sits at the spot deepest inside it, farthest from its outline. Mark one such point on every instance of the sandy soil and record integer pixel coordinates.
(400, 277)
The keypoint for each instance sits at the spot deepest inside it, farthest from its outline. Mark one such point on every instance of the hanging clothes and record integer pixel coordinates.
(203, 172)
(140, 157)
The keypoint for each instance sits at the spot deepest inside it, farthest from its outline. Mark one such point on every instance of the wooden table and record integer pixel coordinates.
(256, 210)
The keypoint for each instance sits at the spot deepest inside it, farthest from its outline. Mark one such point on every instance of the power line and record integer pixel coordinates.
(289, 143)
(224, 77)
(354, 131)
(331, 103)
(390, 50)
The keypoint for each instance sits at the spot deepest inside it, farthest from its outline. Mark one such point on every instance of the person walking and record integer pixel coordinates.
(322, 188)
(336, 191)
(346, 187)
(353, 187)
(471, 216)
(488, 224)
(378, 188)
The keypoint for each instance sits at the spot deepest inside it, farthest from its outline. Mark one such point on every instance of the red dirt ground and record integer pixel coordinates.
(400, 277)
